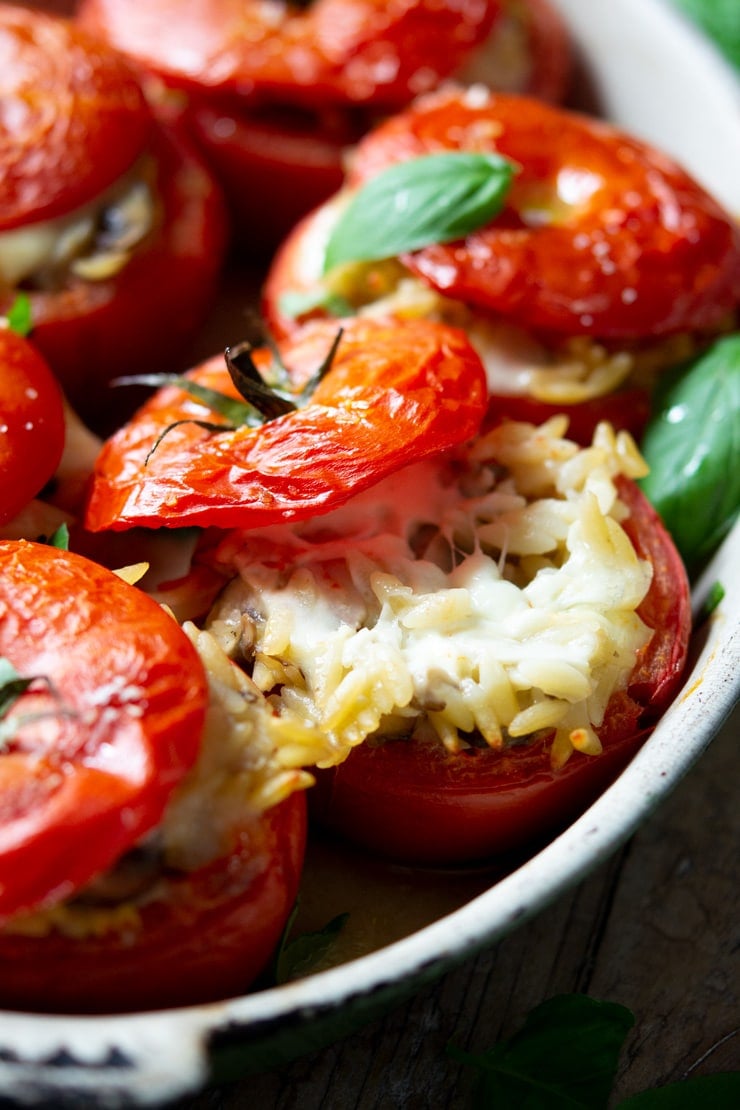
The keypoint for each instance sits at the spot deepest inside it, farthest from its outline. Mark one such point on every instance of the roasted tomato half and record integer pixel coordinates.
(31, 423)
(258, 440)
(417, 801)
(110, 222)
(276, 95)
(117, 869)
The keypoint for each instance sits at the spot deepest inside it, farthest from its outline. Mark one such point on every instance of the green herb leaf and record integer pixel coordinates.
(720, 1092)
(19, 315)
(692, 445)
(12, 685)
(564, 1057)
(711, 602)
(235, 412)
(433, 199)
(720, 19)
(301, 955)
(59, 538)
(295, 304)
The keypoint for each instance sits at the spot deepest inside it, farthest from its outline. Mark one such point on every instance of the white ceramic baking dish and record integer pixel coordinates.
(651, 72)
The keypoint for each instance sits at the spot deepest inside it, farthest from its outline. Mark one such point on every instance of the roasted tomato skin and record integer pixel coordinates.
(415, 803)
(31, 423)
(600, 235)
(90, 125)
(110, 726)
(334, 52)
(142, 317)
(57, 154)
(394, 393)
(207, 938)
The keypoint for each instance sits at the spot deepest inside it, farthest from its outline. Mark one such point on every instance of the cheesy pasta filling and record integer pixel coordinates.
(480, 597)
(93, 243)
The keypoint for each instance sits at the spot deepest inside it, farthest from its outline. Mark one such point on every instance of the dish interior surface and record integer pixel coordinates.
(634, 57)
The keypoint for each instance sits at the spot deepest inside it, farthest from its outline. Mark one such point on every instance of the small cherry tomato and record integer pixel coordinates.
(393, 394)
(600, 235)
(416, 802)
(107, 728)
(109, 221)
(31, 423)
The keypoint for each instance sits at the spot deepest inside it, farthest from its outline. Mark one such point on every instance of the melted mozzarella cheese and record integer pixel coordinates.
(492, 591)
(38, 252)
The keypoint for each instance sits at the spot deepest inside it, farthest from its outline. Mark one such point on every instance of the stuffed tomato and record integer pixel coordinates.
(151, 839)
(502, 617)
(484, 639)
(109, 221)
(580, 260)
(276, 94)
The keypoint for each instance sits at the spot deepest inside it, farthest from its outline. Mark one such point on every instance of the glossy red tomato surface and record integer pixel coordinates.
(395, 393)
(205, 937)
(418, 803)
(332, 51)
(108, 727)
(74, 117)
(600, 234)
(31, 423)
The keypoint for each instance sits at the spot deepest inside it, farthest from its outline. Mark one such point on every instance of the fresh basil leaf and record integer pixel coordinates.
(19, 315)
(300, 956)
(294, 303)
(564, 1057)
(718, 1092)
(720, 19)
(692, 446)
(436, 198)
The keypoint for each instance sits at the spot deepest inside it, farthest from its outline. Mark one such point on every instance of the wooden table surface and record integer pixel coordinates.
(655, 929)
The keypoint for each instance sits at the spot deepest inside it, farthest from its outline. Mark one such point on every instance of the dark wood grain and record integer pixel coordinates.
(656, 929)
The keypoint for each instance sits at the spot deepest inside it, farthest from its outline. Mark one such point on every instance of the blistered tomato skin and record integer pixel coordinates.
(395, 393)
(103, 735)
(206, 937)
(417, 803)
(71, 94)
(31, 423)
(601, 234)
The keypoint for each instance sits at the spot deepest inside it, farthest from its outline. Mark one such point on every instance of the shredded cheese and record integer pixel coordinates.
(490, 592)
